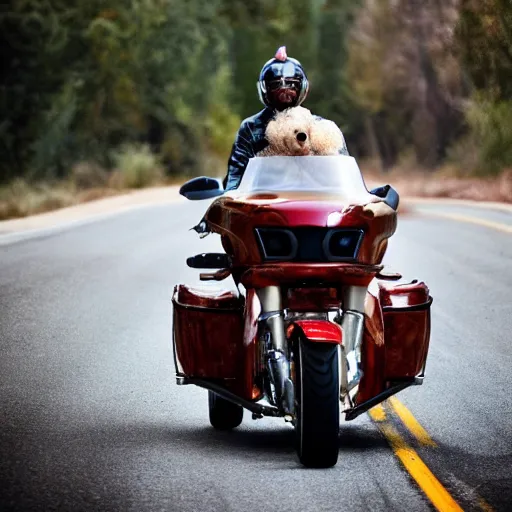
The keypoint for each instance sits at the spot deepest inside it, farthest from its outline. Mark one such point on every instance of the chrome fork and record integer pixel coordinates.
(272, 320)
(352, 323)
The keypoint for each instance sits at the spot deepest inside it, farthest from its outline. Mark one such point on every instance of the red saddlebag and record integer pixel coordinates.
(406, 313)
(208, 332)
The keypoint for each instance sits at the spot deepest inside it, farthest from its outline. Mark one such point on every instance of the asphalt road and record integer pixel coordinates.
(91, 418)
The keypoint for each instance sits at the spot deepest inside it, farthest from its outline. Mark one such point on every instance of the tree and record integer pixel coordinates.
(80, 79)
(484, 34)
(404, 71)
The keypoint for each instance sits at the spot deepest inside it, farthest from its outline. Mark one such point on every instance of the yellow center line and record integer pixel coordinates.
(505, 228)
(428, 483)
(411, 422)
(378, 413)
(419, 471)
(436, 493)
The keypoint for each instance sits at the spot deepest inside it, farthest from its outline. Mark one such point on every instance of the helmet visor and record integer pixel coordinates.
(284, 83)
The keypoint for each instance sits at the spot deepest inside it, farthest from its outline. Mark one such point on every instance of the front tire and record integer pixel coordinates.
(224, 415)
(317, 403)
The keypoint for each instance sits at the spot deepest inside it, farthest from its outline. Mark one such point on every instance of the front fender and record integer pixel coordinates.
(319, 331)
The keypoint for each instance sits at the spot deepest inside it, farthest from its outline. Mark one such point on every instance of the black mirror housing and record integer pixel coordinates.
(201, 188)
(389, 194)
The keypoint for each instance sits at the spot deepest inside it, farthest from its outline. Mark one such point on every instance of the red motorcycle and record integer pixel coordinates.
(318, 322)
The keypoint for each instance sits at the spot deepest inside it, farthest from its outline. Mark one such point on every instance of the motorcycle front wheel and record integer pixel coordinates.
(224, 415)
(317, 403)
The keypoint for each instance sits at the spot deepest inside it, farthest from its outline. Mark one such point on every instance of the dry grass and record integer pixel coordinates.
(136, 167)
(447, 182)
(19, 199)
(22, 199)
(86, 183)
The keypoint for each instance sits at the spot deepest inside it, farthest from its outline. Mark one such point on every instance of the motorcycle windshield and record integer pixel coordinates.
(315, 175)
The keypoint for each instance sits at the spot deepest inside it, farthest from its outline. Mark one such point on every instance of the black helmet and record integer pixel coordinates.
(282, 72)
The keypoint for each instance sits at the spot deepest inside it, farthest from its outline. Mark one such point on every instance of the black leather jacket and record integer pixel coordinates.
(250, 140)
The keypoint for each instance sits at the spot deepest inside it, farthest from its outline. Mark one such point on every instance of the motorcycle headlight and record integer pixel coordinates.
(342, 244)
(277, 244)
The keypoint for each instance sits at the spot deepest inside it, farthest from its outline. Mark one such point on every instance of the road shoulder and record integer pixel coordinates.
(90, 210)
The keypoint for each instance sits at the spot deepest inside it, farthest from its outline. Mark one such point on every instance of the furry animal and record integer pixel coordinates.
(296, 132)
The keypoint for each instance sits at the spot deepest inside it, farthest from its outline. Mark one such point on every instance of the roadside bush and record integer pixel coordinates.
(137, 167)
(491, 128)
(20, 198)
(88, 175)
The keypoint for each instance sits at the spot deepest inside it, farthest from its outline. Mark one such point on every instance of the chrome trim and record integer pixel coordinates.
(354, 298)
(351, 320)
(270, 298)
(352, 324)
(259, 409)
(279, 371)
(278, 366)
(295, 315)
(291, 236)
(271, 302)
(270, 314)
(331, 233)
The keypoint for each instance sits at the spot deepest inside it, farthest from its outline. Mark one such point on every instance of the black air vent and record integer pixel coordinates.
(309, 244)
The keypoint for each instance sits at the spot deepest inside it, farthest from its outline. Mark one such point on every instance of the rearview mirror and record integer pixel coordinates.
(201, 188)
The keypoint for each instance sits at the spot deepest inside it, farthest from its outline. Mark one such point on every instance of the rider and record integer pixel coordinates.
(282, 84)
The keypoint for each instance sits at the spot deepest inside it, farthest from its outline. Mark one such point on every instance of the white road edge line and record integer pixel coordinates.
(19, 236)
(484, 205)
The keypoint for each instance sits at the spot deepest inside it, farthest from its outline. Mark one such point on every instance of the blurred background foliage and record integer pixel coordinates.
(95, 85)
